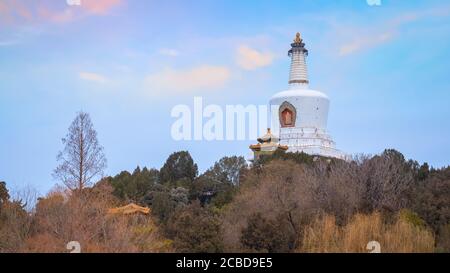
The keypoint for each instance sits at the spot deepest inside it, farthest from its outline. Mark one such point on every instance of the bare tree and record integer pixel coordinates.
(388, 179)
(27, 196)
(82, 159)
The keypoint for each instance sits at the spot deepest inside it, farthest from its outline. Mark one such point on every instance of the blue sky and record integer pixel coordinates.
(129, 62)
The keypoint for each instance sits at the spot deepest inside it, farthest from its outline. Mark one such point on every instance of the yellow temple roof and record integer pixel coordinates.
(268, 137)
(129, 209)
(268, 142)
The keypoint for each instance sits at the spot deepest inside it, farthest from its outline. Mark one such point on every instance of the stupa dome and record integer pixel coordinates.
(299, 115)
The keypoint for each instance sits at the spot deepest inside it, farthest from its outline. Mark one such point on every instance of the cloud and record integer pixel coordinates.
(60, 16)
(169, 52)
(10, 10)
(19, 35)
(363, 39)
(15, 12)
(364, 42)
(251, 59)
(93, 77)
(198, 78)
(99, 7)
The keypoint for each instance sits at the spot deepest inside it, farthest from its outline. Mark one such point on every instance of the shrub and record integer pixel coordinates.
(195, 229)
(323, 235)
(265, 235)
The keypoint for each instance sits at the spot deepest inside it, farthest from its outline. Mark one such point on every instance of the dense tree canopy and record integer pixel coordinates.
(431, 200)
(195, 229)
(178, 167)
(227, 170)
(134, 187)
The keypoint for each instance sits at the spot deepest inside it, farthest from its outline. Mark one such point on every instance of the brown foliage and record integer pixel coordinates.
(292, 193)
(387, 180)
(324, 235)
(15, 226)
(64, 217)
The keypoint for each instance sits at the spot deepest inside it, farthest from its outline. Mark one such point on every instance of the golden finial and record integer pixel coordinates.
(298, 38)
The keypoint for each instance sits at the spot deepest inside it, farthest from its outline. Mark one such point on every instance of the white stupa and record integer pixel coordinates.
(299, 115)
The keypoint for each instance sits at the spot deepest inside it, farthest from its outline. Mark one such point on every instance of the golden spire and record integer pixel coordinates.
(298, 38)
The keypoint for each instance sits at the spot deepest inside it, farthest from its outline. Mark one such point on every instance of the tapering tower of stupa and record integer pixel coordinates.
(299, 115)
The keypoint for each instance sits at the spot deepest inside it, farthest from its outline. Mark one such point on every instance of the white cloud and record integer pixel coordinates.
(364, 38)
(93, 77)
(251, 59)
(19, 34)
(169, 52)
(363, 42)
(197, 78)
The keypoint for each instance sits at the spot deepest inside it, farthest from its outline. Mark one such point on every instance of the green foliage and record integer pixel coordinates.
(264, 235)
(227, 170)
(179, 166)
(165, 202)
(423, 172)
(412, 218)
(4, 194)
(203, 188)
(179, 195)
(219, 183)
(195, 229)
(206, 189)
(14, 222)
(431, 201)
(299, 158)
(134, 187)
(162, 205)
(224, 196)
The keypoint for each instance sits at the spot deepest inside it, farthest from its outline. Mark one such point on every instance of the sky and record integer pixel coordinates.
(129, 62)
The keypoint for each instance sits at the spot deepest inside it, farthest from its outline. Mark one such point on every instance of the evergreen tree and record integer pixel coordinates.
(178, 167)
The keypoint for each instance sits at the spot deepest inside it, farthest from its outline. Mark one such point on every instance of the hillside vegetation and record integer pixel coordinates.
(282, 203)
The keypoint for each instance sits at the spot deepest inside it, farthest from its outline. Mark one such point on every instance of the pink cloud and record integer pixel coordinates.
(46, 14)
(4, 12)
(14, 12)
(11, 10)
(99, 7)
